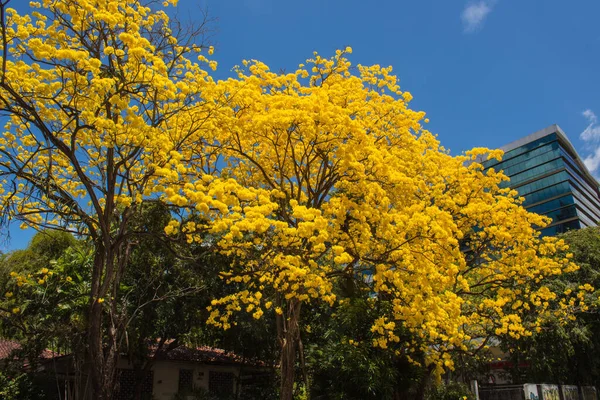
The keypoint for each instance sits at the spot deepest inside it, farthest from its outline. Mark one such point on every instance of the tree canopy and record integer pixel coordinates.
(328, 173)
(300, 179)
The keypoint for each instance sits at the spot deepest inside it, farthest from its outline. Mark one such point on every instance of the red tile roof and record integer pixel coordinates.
(204, 354)
(8, 346)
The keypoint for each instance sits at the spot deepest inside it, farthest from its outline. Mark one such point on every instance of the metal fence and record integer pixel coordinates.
(532, 391)
(502, 392)
(588, 393)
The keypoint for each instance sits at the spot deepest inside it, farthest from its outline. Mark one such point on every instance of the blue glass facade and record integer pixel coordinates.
(546, 170)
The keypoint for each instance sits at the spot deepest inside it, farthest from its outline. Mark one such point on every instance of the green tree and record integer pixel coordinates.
(560, 352)
(162, 292)
(44, 297)
(337, 356)
(43, 292)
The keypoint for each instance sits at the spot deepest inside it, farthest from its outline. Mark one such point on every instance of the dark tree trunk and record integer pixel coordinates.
(102, 336)
(102, 356)
(305, 376)
(423, 383)
(289, 337)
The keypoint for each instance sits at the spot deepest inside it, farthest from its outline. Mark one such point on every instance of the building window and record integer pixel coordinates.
(127, 381)
(220, 383)
(186, 381)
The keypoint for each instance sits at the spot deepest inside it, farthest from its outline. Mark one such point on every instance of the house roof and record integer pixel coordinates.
(7, 347)
(204, 354)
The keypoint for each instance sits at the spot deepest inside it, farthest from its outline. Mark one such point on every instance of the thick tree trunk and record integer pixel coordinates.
(423, 383)
(102, 355)
(95, 356)
(288, 362)
(289, 345)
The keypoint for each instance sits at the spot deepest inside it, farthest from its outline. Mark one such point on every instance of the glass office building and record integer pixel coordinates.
(546, 170)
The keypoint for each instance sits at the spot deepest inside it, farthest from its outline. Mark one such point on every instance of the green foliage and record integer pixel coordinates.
(9, 387)
(51, 245)
(44, 247)
(18, 386)
(584, 244)
(450, 391)
(300, 391)
(341, 360)
(43, 293)
(569, 352)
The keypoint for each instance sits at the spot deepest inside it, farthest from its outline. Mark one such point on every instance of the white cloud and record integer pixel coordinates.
(592, 132)
(593, 161)
(475, 13)
(591, 117)
(591, 137)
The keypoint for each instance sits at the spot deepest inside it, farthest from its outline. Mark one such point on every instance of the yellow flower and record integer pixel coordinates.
(44, 271)
(9, 294)
(16, 310)
(100, 300)
(41, 281)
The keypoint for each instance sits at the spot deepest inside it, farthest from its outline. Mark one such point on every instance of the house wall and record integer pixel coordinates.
(166, 376)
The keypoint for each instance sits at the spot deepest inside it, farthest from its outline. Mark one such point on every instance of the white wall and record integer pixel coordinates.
(166, 375)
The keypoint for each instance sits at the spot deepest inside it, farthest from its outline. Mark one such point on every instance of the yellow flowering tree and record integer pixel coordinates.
(99, 97)
(327, 172)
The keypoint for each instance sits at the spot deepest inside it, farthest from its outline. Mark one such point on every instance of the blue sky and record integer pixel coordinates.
(486, 72)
